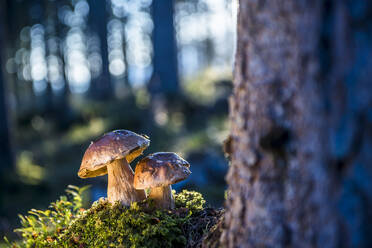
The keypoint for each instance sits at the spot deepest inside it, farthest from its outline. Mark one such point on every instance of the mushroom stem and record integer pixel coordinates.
(162, 197)
(120, 183)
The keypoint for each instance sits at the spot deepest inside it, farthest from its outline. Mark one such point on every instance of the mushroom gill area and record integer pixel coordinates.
(85, 173)
(135, 153)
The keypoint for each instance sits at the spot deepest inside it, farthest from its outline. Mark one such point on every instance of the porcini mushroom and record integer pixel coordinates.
(110, 155)
(157, 172)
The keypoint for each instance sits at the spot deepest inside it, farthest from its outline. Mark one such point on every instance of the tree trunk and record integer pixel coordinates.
(125, 49)
(48, 23)
(6, 158)
(101, 87)
(6, 155)
(165, 76)
(300, 127)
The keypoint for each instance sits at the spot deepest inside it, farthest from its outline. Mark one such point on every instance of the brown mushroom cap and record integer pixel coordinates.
(160, 169)
(114, 145)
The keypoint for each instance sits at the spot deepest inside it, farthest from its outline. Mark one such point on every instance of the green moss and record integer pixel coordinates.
(191, 200)
(65, 224)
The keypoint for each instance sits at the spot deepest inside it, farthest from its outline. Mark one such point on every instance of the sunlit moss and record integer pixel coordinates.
(29, 172)
(176, 121)
(202, 88)
(65, 224)
(38, 123)
(195, 141)
(217, 131)
(142, 98)
(191, 200)
(81, 133)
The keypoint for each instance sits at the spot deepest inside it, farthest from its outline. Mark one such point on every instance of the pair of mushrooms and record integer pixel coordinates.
(112, 153)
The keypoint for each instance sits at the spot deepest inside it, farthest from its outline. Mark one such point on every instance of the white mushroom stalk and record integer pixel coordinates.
(163, 197)
(120, 184)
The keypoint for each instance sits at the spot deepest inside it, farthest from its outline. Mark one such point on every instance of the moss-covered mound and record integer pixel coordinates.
(104, 225)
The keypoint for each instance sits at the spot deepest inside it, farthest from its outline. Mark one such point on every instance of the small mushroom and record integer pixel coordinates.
(157, 172)
(110, 154)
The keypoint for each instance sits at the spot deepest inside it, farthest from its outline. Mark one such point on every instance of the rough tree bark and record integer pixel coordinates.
(300, 125)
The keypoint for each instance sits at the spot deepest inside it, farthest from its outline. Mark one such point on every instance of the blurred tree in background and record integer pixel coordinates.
(101, 86)
(165, 75)
(6, 155)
